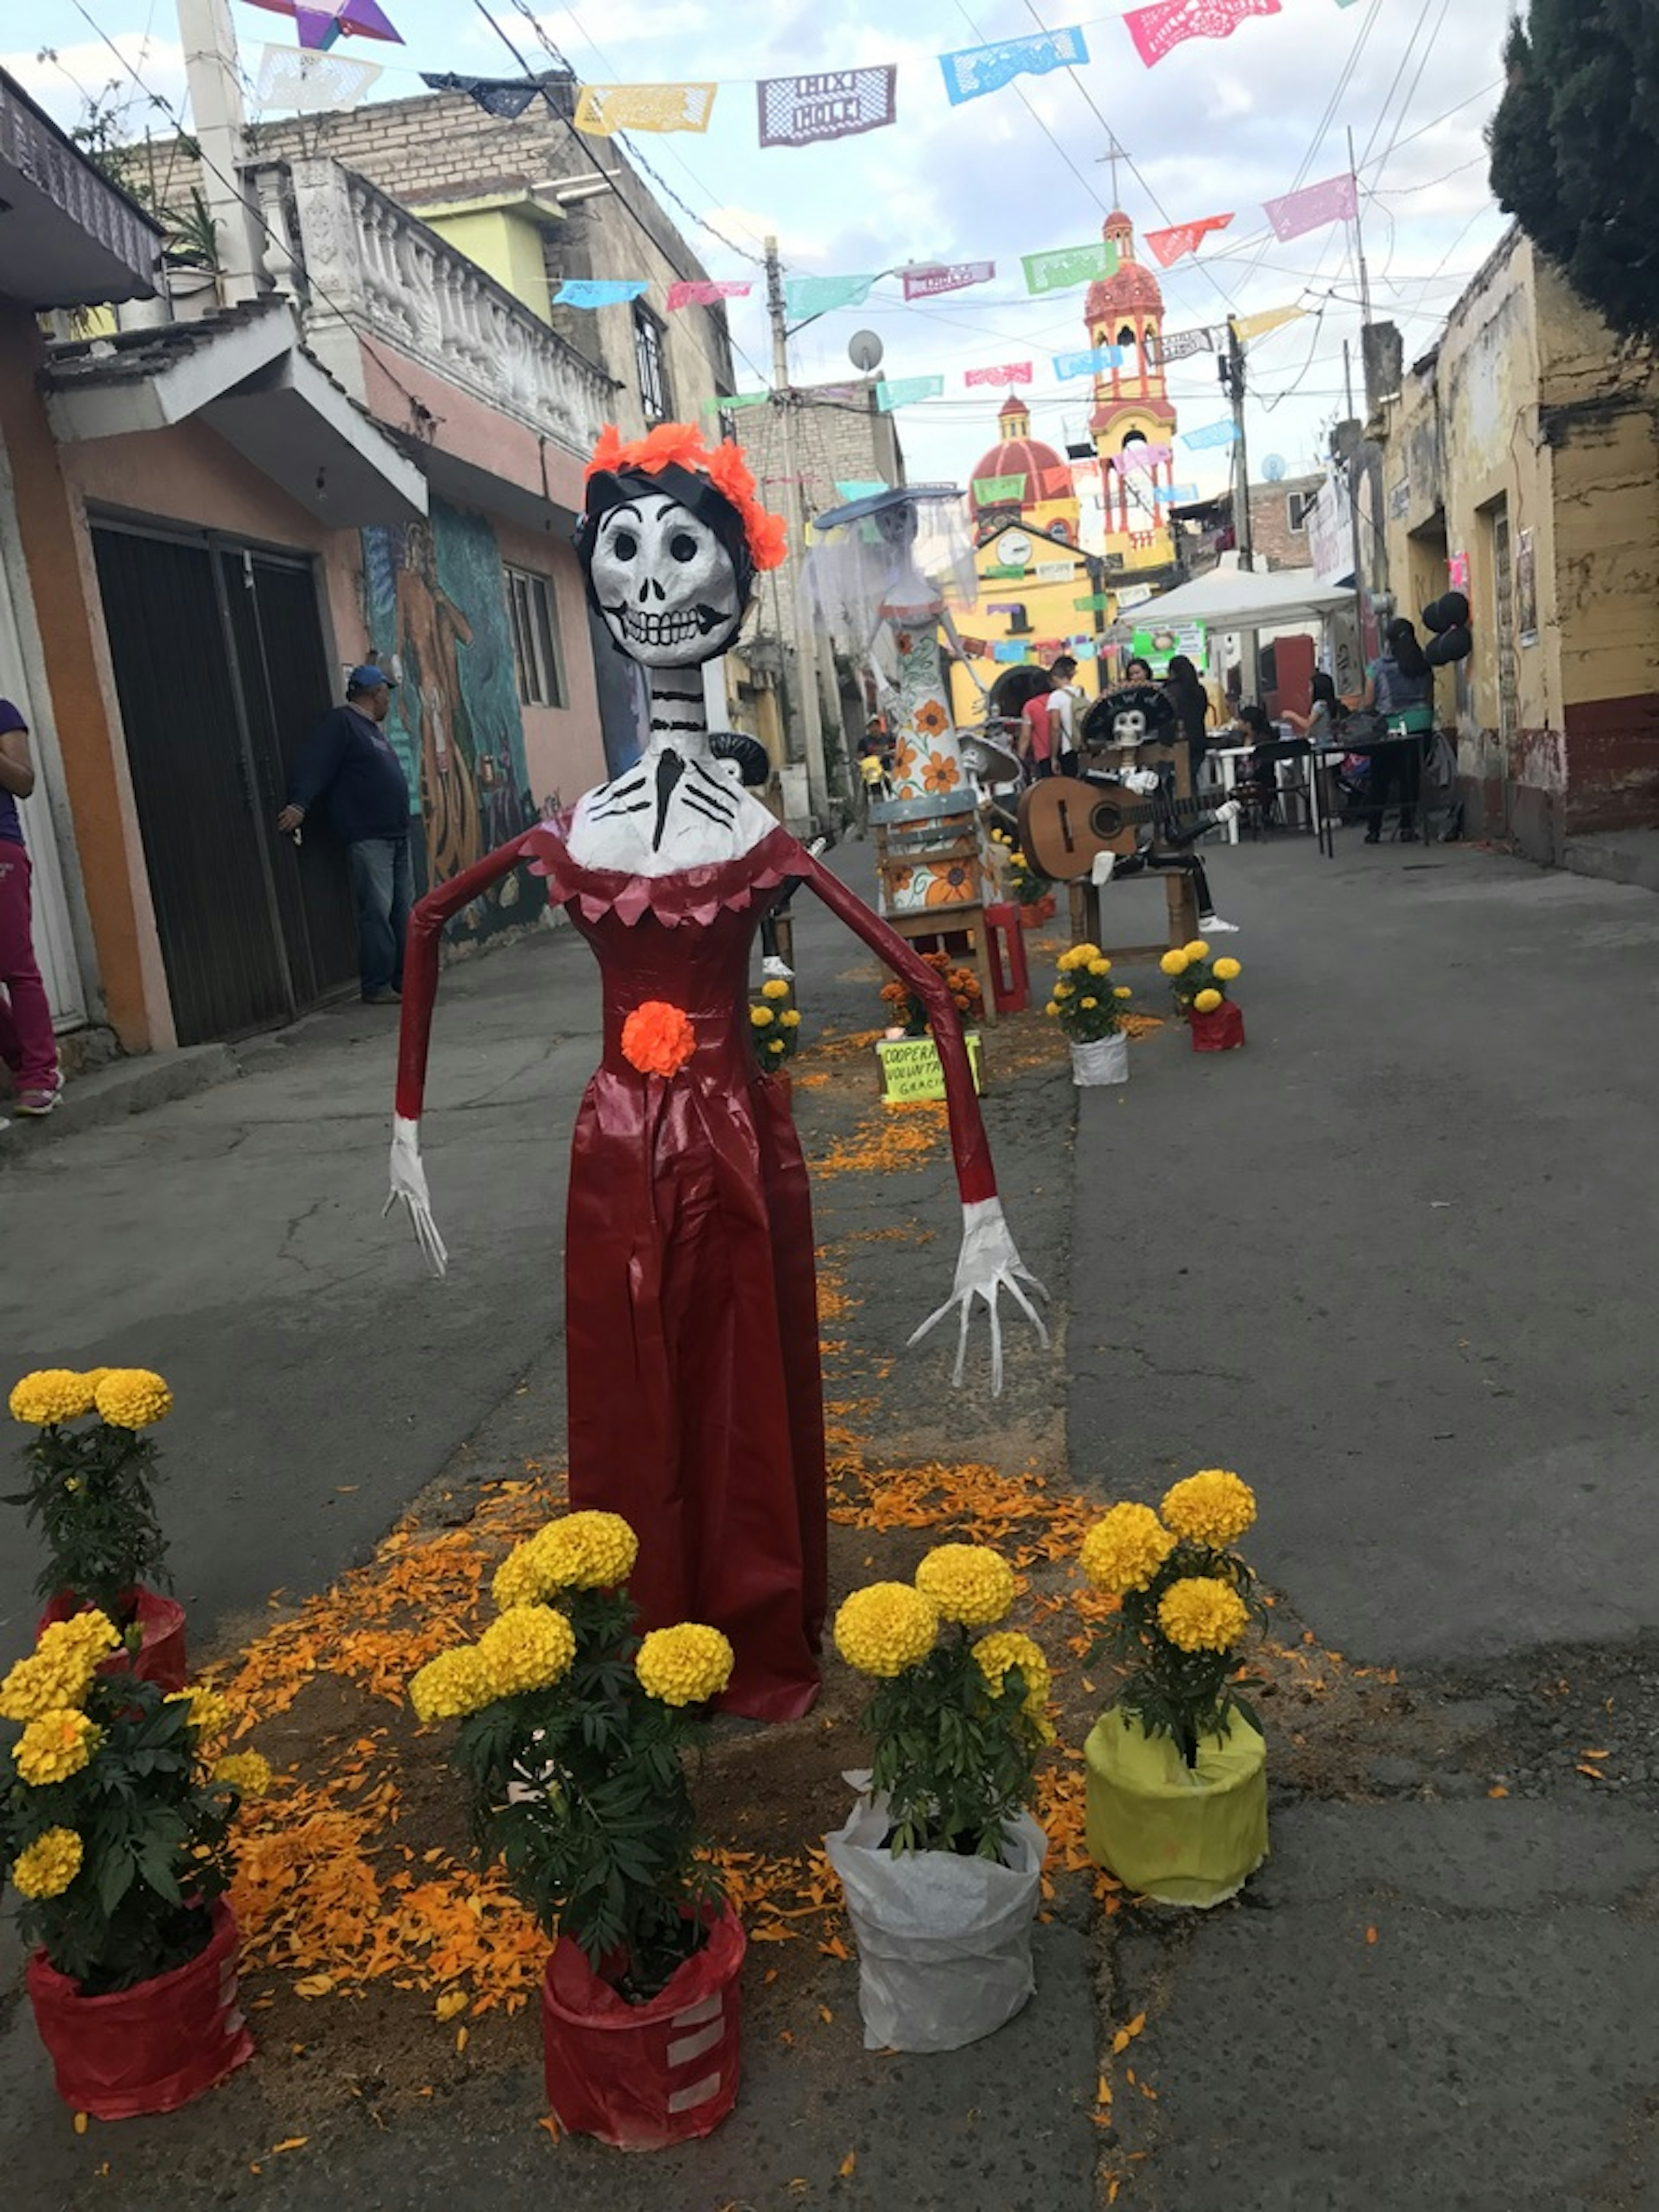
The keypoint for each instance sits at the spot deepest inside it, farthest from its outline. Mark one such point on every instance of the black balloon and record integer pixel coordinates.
(1454, 644)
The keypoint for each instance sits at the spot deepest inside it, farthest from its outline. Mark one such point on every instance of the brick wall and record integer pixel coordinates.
(1277, 545)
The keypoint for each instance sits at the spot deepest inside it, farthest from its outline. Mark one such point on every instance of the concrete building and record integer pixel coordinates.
(1519, 467)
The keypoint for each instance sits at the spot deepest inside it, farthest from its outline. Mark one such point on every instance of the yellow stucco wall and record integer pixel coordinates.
(505, 241)
(1049, 604)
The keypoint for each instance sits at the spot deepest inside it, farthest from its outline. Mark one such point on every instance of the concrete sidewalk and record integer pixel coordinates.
(1397, 1262)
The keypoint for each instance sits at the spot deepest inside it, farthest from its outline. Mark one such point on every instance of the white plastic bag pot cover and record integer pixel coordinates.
(1106, 1060)
(944, 1942)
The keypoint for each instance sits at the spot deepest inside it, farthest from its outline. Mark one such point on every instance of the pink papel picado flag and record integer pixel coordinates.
(1156, 31)
(1169, 246)
(1336, 200)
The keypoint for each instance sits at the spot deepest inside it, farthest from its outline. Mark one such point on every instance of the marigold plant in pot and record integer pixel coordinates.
(1198, 985)
(775, 1020)
(1090, 1009)
(116, 1805)
(572, 1731)
(1034, 894)
(940, 1860)
(1176, 1786)
(90, 1469)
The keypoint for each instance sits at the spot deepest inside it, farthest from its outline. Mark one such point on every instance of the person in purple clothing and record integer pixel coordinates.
(26, 1043)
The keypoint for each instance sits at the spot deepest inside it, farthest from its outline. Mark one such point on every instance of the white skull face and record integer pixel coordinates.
(1129, 727)
(664, 584)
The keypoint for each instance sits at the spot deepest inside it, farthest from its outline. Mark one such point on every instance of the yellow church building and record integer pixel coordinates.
(1041, 591)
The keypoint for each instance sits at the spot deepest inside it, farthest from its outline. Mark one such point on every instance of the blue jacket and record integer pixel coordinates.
(350, 761)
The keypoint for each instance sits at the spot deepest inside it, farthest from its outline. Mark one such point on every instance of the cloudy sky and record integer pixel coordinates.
(1217, 126)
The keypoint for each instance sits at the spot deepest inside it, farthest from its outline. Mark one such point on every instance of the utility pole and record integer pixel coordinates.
(208, 40)
(1233, 384)
(802, 635)
(1351, 474)
(1360, 246)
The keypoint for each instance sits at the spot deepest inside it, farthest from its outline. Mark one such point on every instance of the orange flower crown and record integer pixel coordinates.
(679, 445)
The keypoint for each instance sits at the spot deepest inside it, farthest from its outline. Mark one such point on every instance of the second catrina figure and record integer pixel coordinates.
(690, 1309)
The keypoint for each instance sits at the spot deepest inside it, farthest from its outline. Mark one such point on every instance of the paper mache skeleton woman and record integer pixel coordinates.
(695, 1401)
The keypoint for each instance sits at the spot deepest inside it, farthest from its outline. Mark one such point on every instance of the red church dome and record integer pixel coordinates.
(1019, 454)
(1134, 290)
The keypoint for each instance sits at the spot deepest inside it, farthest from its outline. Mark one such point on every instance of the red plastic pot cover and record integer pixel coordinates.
(642, 2077)
(151, 2048)
(161, 1620)
(1222, 1029)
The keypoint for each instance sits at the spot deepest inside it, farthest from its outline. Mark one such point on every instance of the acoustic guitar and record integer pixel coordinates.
(1064, 822)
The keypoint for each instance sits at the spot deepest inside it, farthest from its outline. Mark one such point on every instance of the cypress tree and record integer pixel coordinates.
(1575, 148)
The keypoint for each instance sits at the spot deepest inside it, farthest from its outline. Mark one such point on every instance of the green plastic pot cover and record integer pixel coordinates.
(1182, 1835)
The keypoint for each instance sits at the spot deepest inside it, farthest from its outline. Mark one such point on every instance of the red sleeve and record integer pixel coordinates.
(421, 965)
(975, 1178)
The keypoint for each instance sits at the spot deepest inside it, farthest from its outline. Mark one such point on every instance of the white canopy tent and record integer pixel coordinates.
(1242, 600)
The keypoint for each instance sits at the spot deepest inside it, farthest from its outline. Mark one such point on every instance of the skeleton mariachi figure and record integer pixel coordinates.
(691, 1310)
(1122, 722)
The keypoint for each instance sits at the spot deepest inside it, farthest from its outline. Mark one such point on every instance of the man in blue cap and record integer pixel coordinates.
(350, 760)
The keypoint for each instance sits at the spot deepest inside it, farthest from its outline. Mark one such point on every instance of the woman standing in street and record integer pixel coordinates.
(1191, 702)
(1401, 687)
(26, 1043)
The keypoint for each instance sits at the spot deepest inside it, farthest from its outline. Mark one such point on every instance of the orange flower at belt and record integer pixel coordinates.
(658, 1039)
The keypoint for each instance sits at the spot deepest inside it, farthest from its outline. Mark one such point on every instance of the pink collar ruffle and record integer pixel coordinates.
(693, 894)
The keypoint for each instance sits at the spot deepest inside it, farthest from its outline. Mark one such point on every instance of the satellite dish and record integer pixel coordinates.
(1273, 468)
(864, 350)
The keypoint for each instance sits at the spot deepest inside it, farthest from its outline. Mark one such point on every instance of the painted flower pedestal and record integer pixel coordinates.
(945, 1941)
(1182, 1835)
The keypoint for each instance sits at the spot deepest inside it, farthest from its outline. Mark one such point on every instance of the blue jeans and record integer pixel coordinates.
(383, 884)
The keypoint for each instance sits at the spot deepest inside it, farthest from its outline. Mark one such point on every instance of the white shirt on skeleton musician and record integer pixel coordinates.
(677, 808)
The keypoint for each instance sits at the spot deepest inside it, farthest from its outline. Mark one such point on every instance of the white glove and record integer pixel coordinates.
(1143, 780)
(1100, 872)
(988, 1263)
(1229, 811)
(409, 1184)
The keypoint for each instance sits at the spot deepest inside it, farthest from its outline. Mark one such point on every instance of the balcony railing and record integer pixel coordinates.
(360, 265)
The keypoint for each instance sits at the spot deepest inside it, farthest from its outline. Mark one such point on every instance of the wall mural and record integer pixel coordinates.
(434, 604)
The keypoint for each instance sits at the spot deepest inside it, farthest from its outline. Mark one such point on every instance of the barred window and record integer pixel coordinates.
(651, 357)
(532, 611)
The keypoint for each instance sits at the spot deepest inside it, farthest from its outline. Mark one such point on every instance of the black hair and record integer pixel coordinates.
(606, 489)
(1324, 688)
(1401, 642)
(1129, 676)
(1256, 718)
(754, 761)
(1062, 660)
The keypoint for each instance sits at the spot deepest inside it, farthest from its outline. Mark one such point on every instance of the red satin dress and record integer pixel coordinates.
(697, 1404)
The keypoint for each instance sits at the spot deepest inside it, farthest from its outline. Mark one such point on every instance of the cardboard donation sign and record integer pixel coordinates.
(910, 1070)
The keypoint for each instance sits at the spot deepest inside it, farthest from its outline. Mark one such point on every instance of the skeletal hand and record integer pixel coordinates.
(409, 1184)
(988, 1263)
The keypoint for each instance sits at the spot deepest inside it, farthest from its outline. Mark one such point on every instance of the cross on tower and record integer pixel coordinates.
(1113, 154)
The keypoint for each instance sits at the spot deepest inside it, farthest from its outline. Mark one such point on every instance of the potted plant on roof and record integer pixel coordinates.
(1198, 985)
(941, 1861)
(1177, 1786)
(1090, 1009)
(571, 1730)
(116, 1805)
(90, 1467)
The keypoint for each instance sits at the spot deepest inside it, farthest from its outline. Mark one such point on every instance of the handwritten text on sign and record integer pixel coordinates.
(910, 1068)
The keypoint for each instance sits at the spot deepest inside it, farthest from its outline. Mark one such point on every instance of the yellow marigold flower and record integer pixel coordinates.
(1198, 949)
(133, 1398)
(452, 1684)
(211, 1711)
(529, 1648)
(49, 1865)
(1101, 967)
(776, 1044)
(790, 1017)
(1207, 1002)
(1062, 990)
(518, 1580)
(1226, 970)
(969, 1582)
(604, 1549)
(994, 1654)
(59, 1672)
(1121, 991)
(1089, 1004)
(246, 1770)
(1201, 1613)
(1124, 1551)
(1019, 860)
(88, 1633)
(1210, 1507)
(1175, 963)
(49, 1396)
(775, 987)
(762, 1017)
(55, 1745)
(1052, 1007)
(684, 1666)
(885, 1628)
